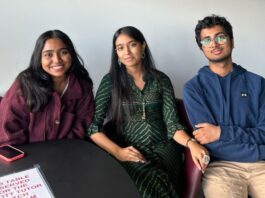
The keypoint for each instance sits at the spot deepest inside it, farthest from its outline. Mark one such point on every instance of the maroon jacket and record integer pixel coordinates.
(65, 117)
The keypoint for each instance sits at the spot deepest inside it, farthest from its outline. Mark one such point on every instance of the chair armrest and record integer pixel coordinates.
(192, 173)
(192, 177)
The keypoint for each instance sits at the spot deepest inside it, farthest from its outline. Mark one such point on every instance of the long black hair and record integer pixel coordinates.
(35, 83)
(120, 83)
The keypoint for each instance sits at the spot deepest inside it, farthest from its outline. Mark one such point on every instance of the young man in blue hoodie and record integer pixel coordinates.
(226, 106)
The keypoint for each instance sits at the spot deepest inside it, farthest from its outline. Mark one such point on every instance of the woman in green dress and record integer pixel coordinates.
(140, 101)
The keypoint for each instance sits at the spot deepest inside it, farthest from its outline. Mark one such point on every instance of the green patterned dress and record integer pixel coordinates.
(149, 129)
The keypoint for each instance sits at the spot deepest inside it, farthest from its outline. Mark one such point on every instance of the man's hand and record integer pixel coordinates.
(207, 133)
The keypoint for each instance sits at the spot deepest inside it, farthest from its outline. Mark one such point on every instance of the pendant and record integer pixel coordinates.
(143, 115)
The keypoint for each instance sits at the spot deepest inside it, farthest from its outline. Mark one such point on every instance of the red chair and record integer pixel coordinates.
(192, 174)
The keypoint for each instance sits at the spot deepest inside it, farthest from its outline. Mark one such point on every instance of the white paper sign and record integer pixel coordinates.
(25, 184)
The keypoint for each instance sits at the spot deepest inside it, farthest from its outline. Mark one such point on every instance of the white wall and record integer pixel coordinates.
(168, 26)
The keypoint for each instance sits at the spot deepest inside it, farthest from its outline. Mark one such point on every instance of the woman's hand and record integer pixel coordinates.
(129, 154)
(198, 153)
(123, 154)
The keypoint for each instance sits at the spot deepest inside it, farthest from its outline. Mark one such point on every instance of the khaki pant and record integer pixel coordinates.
(225, 179)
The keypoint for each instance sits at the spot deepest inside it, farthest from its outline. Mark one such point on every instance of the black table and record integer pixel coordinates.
(75, 169)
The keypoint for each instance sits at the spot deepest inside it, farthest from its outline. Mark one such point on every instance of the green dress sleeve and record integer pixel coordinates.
(102, 101)
(170, 114)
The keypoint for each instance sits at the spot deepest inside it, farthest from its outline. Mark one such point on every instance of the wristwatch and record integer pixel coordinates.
(188, 140)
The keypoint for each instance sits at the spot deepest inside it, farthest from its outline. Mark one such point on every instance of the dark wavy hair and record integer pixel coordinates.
(120, 83)
(35, 83)
(210, 21)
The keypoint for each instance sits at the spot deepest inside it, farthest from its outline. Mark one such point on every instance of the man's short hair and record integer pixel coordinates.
(210, 21)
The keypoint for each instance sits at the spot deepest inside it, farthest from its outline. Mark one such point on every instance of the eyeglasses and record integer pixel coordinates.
(221, 39)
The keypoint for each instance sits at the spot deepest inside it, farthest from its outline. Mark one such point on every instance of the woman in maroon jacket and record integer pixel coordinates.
(52, 98)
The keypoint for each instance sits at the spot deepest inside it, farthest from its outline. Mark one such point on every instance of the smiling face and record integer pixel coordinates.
(55, 58)
(216, 51)
(129, 51)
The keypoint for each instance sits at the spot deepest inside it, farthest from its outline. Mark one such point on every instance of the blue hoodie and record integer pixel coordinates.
(235, 102)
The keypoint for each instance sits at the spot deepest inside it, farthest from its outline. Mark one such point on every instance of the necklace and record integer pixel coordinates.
(143, 110)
